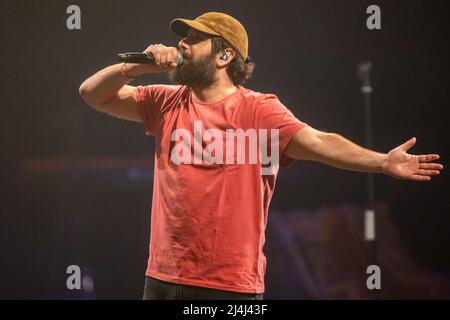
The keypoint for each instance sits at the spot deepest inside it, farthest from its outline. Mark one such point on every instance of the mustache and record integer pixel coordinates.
(185, 56)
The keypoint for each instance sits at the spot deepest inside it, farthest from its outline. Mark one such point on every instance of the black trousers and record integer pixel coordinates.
(155, 289)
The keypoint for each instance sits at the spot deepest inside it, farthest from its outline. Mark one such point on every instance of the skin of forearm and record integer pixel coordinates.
(337, 151)
(104, 84)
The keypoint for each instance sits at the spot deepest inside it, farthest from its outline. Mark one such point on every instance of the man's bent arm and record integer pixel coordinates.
(104, 84)
(107, 90)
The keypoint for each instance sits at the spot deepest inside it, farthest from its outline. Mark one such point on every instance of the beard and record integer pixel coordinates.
(197, 74)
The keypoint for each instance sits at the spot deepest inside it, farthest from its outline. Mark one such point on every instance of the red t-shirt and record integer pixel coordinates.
(208, 218)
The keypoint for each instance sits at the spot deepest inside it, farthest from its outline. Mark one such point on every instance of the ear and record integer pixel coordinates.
(224, 57)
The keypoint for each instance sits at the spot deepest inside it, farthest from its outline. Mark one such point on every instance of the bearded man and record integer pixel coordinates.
(210, 200)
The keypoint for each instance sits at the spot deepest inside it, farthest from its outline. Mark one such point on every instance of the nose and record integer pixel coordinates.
(182, 44)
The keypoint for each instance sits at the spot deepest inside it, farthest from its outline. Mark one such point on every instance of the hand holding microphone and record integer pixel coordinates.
(157, 58)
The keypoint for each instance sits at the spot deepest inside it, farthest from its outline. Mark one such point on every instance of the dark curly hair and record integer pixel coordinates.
(239, 70)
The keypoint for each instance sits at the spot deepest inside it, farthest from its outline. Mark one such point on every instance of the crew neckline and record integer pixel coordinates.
(212, 104)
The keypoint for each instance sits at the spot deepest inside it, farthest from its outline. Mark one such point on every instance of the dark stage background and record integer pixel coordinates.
(76, 185)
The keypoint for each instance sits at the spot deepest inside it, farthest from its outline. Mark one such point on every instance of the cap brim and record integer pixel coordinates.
(180, 27)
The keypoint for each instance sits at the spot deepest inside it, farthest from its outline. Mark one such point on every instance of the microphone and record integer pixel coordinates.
(137, 57)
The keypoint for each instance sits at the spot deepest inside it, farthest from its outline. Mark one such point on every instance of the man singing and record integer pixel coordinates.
(213, 181)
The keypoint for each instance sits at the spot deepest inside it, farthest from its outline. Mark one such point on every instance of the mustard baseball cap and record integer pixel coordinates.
(217, 24)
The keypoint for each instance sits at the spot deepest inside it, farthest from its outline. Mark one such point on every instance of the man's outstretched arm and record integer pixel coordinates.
(337, 151)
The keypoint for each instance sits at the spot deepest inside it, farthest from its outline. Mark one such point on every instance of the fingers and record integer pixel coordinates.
(173, 54)
(160, 55)
(408, 144)
(154, 50)
(165, 57)
(431, 166)
(428, 157)
(417, 177)
(424, 172)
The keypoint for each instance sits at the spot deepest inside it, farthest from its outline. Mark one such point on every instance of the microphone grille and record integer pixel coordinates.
(179, 58)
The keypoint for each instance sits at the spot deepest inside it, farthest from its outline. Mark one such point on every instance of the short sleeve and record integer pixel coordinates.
(274, 115)
(149, 108)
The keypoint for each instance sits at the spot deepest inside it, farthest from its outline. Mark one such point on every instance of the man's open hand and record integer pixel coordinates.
(402, 165)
